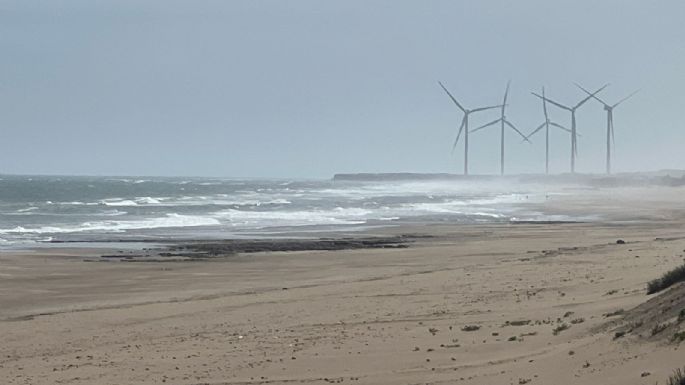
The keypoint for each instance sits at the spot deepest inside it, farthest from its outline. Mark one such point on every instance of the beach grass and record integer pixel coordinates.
(667, 280)
(677, 378)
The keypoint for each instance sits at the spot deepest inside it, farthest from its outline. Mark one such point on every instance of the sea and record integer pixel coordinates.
(54, 209)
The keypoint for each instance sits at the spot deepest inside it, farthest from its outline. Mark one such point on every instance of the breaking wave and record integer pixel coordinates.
(337, 215)
(170, 220)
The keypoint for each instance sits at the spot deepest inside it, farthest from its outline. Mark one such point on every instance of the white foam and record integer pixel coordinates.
(148, 201)
(449, 207)
(200, 200)
(134, 181)
(77, 203)
(119, 202)
(219, 200)
(131, 202)
(338, 215)
(250, 202)
(388, 218)
(113, 213)
(170, 220)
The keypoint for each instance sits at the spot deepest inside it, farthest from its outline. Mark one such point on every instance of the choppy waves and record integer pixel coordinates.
(170, 220)
(30, 209)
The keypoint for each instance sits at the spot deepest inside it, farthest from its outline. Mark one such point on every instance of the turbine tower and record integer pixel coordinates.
(503, 120)
(572, 110)
(546, 125)
(464, 127)
(609, 108)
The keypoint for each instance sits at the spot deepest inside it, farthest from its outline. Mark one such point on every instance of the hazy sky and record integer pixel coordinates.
(310, 88)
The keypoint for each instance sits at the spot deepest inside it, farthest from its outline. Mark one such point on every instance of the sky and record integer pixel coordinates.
(306, 89)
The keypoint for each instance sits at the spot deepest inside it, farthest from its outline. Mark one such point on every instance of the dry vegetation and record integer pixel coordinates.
(677, 378)
(667, 280)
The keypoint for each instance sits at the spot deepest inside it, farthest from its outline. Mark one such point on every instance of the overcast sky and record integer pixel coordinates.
(309, 88)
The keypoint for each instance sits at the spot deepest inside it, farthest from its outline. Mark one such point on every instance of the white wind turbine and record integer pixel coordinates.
(464, 127)
(572, 110)
(548, 122)
(609, 108)
(503, 120)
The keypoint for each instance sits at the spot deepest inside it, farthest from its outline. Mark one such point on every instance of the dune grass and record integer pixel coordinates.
(679, 337)
(658, 328)
(677, 378)
(667, 280)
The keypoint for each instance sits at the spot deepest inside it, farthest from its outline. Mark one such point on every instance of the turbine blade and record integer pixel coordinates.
(506, 94)
(485, 125)
(517, 130)
(540, 127)
(452, 97)
(461, 128)
(592, 95)
(626, 98)
(560, 126)
(544, 104)
(553, 102)
(484, 108)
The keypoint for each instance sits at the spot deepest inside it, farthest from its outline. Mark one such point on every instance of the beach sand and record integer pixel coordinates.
(468, 304)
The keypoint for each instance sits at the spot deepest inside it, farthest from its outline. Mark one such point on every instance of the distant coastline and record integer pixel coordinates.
(659, 178)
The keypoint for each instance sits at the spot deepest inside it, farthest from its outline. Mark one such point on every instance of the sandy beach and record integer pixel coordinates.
(526, 303)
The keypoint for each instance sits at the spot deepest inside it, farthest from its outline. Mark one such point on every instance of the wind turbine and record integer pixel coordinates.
(572, 110)
(503, 120)
(546, 125)
(609, 108)
(464, 127)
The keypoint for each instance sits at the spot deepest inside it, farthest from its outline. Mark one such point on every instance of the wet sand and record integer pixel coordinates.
(472, 304)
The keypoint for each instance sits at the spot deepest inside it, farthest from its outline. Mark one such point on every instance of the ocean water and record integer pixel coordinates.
(46, 208)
